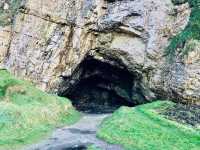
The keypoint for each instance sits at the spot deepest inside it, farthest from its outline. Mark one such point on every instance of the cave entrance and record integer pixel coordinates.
(99, 87)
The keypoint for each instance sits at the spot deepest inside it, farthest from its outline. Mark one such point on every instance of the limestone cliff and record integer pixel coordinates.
(47, 40)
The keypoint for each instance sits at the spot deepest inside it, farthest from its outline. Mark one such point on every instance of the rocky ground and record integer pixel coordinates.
(187, 114)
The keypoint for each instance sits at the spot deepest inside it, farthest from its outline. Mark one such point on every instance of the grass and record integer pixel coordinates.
(27, 114)
(6, 16)
(142, 128)
(191, 31)
(93, 147)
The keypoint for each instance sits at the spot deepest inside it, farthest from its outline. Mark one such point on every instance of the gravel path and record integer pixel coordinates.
(77, 136)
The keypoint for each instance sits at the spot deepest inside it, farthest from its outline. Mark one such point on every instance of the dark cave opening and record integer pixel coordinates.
(99, 87)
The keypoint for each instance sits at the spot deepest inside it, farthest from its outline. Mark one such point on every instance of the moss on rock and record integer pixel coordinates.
(8, 9)
(191, 31)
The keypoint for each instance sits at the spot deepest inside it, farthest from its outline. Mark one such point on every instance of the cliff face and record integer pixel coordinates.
(47, 41)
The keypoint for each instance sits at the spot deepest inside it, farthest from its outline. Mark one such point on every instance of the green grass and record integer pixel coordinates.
(27, 114)
(142, 128)
(93, 147)
(6, 16)
(191, 31)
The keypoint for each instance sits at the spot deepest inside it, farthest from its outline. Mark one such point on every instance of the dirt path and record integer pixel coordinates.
(77, 136)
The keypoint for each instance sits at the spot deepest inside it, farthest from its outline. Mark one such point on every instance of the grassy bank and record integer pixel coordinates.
(142, 128)
(27, 114)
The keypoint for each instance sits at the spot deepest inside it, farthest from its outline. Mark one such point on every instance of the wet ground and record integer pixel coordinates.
(185, 114)
(76, 137)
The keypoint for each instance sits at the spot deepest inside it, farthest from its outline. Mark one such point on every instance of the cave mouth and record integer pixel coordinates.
(99, 87)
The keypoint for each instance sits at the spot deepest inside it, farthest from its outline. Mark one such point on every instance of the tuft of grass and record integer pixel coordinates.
(93, 147)
(143, 128)
(6, 16)
(27, 114)
(191, 31)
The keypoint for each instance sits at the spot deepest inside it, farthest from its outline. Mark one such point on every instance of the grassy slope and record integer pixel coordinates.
(191, 31)
(141, 128)
(27, 113)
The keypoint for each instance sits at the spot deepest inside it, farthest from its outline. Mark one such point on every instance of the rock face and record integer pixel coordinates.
(49, 39)
(185, 74)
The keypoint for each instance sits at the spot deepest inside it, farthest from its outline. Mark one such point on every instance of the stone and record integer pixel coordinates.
(186, 83)
(49, 39)
(5, 39)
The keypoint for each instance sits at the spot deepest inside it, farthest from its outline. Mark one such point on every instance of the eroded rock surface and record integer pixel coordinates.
(49, 39)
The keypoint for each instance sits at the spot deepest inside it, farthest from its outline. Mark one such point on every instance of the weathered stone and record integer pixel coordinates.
(51, 38)
(5, 39)
(186, 74)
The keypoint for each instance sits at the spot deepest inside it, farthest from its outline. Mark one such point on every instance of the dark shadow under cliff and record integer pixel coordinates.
(99, 87)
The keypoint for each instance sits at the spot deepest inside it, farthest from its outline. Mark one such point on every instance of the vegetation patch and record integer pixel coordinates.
(93, 147)
(8, 8)
(27, 113)
(143, 128)
(191, 31)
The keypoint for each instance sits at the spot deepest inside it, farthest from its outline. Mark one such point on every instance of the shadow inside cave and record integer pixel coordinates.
(100, 87)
